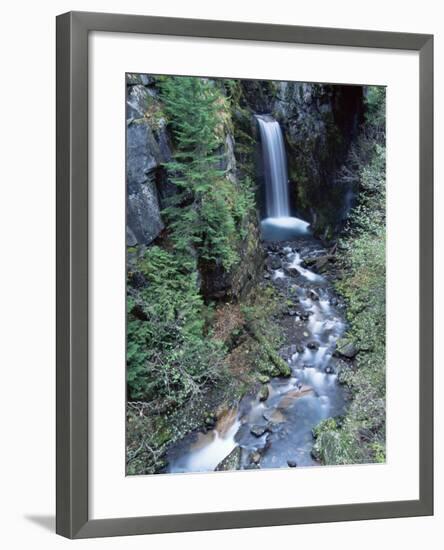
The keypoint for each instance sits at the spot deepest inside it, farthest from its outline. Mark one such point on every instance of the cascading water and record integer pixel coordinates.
(275, 429)
(278, 225)
(275, 168)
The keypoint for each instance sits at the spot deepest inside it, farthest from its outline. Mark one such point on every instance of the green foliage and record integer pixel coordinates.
(335, 444)
(168, 355)
(257, 314)
(206, 212)
(173, 359)
(374, 101)
(244, 206)
(147, 437)
(361, 437)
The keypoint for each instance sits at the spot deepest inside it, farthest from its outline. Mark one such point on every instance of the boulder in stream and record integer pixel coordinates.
(291, 270)
(290, 397)
(274, 416)
(255, 457)
(258, 431)
(273, 262)
(264, 393)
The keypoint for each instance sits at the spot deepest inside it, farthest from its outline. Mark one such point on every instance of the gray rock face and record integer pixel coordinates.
(319, 122)
(138, 101)
(135, 78)
(143, 215)
(148, 146)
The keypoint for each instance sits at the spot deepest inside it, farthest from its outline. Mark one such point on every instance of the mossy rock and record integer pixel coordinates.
(264, 393)
(346, 348)
(231, 461)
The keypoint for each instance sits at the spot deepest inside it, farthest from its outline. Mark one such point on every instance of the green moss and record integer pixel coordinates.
(336, 445)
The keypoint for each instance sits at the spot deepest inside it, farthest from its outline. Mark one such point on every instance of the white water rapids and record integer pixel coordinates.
(279, 428)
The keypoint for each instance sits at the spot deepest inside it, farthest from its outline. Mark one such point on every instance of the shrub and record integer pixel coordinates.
(169, 357)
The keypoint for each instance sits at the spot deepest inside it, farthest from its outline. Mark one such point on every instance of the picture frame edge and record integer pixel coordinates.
(72, 29)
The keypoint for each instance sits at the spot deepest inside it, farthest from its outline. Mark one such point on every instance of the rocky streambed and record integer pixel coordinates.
(274, 427)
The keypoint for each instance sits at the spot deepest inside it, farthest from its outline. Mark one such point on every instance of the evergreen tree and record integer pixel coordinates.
(202, 215)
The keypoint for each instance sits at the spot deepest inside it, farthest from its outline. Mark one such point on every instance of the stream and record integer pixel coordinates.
(276, 431)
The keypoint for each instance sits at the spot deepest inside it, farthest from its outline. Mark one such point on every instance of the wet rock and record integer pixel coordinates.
(264, 392)
(210, 421)
(275, 416)
(273, 262)
(313, 295)
(231, 461)
(313, 345)
(286, 352)
(290, 397)
(255, 457)
(309, 262)
(267, 445)
(345, 348)
(291, 270)
(329, 370)
(300, 348)
(292, 463)
(242, 433)
(315, 454)
(252, 467)
(321, 262)
(258, 431)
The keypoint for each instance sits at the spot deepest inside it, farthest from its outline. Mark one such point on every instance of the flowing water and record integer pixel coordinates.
(279, 224)
(278, 430)
(275, 168)
(275, 429)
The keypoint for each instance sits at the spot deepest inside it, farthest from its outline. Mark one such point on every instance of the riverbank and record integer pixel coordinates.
(272, 425)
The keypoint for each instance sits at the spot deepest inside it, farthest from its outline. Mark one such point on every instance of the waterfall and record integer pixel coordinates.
(275, 168)
(278, 225)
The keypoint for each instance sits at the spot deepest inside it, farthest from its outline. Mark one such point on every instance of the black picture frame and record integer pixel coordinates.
(72, 518)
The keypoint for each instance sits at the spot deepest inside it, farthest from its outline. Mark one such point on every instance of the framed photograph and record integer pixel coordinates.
(244, 275)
